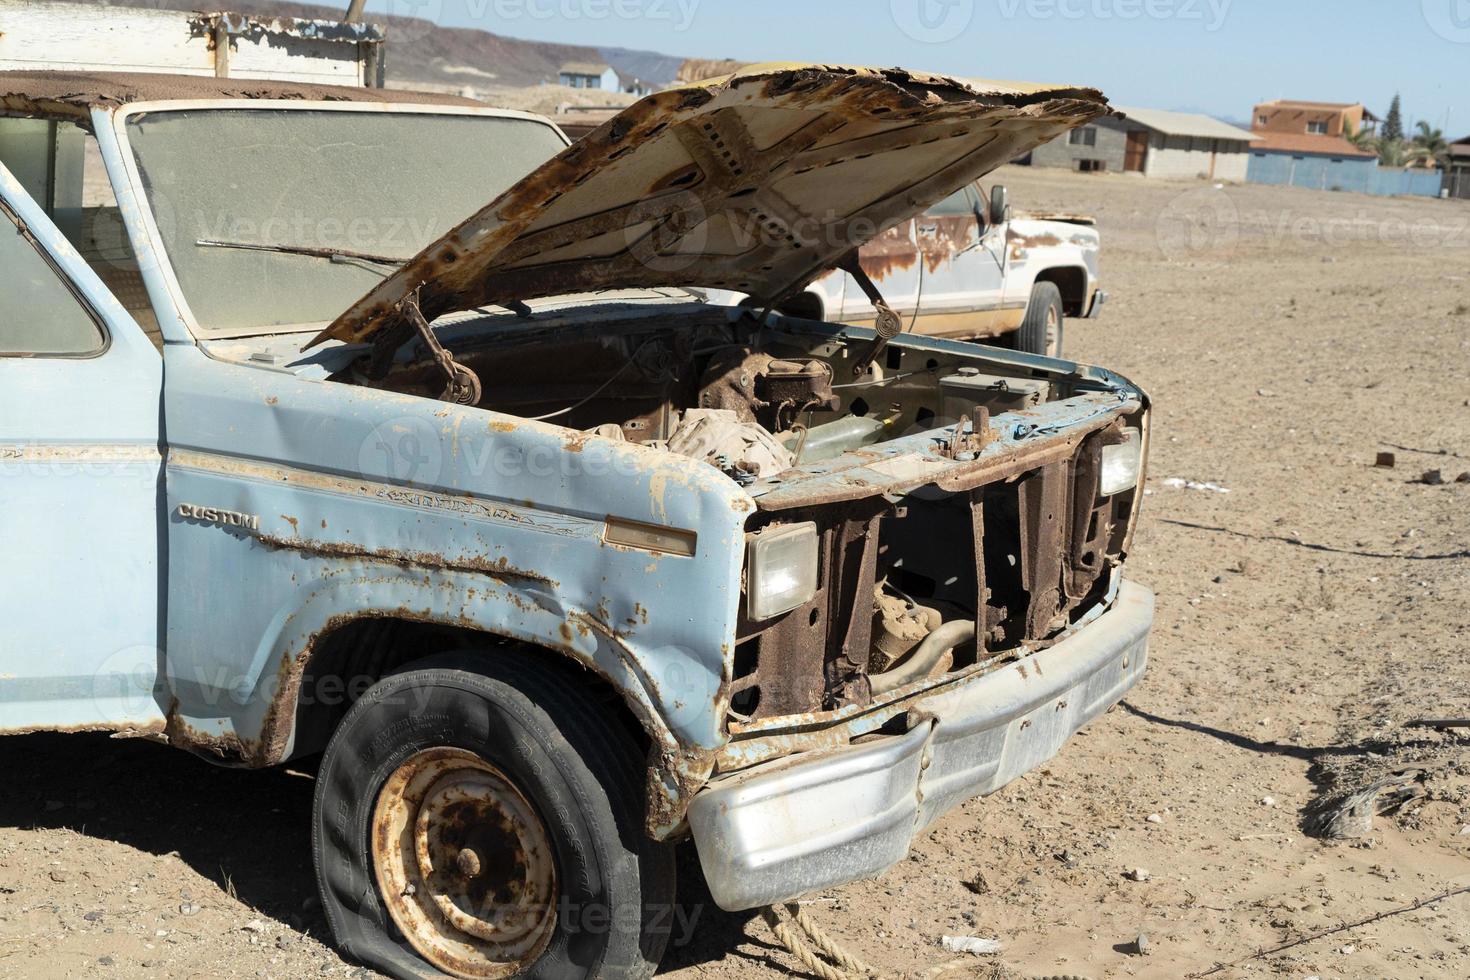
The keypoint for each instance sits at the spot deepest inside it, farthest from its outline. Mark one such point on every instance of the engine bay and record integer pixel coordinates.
(908, 579)
(752, 399)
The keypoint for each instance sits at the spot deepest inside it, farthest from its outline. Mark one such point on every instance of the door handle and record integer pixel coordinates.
(928, 229)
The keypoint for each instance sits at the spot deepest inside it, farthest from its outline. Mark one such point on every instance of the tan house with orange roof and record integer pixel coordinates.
(1288, 116)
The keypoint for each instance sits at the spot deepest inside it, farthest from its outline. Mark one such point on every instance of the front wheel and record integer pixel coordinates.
(482, 819)
(1041, 330)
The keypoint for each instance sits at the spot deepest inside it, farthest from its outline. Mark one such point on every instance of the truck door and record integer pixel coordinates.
(892, 261)
(963, 277)
(80, 392)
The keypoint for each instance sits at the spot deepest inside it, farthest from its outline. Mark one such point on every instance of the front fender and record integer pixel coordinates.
(290, 507)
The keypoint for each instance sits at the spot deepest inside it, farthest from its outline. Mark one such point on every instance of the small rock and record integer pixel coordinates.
(978, 884)
(1465, 830)
(1154, 818)
(970, 944)
(188, 908)
(59, 876)
(1136, 874)
(106, 960)
(1463, 477)
(93, 916)
(254, 925)
(1347, 950)
(1386, 460)
(1140, 945)
(1432, 478)
(1268, 801)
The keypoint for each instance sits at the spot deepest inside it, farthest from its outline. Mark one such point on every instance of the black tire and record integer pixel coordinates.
(1041, 331)
(578, 768)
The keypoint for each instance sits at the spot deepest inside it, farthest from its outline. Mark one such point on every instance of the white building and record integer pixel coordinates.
(589, 74)
(1155, 143)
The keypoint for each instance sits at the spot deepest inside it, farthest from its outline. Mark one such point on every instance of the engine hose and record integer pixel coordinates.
(928, 653)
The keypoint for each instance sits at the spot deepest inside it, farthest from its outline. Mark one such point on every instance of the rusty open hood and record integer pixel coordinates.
(757, 182)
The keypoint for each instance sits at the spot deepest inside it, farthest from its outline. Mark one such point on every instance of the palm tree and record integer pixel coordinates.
(1393, 153)
(1362, 138)
(1428, 148)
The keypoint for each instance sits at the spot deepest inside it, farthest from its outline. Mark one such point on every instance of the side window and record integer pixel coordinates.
(39, 315)
(60, 166)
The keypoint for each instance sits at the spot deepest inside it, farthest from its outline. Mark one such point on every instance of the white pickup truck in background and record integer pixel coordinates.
(970, 269)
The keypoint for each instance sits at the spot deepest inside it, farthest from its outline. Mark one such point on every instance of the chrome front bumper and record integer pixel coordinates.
(1098, 299)
(790, 827)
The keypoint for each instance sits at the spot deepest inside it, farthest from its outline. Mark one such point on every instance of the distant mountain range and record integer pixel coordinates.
(425, 54)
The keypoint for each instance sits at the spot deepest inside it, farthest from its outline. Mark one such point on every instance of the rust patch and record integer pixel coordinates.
(942, 239)
(500, 568)
(152, 730)
(890, 253)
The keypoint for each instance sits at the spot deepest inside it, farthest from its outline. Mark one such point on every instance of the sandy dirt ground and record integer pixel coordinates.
(1288, 337)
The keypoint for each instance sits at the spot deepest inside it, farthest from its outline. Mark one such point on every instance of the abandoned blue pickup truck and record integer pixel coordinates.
(550, 562)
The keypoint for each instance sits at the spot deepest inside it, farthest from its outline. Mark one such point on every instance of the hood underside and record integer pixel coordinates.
(757, 182)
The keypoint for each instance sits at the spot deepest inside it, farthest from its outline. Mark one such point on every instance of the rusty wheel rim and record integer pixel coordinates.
(1053, 332)
(464, 865)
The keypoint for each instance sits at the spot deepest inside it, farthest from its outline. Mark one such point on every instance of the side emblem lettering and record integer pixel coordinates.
(224, 518)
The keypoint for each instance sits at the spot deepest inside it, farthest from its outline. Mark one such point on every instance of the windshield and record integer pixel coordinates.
(334, 195)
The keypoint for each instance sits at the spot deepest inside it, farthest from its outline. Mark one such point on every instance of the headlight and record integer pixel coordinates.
(781, 570)
(1121, 463)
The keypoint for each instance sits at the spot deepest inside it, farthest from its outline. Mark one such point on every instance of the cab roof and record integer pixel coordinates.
(71, 95)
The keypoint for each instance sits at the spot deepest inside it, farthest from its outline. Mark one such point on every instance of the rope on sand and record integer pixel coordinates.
(829, 960)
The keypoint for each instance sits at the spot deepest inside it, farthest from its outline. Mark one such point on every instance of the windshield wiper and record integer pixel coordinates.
(334, 254)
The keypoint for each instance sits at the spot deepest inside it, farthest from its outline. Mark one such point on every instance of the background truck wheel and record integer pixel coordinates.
(481, 818)
(1041, 331)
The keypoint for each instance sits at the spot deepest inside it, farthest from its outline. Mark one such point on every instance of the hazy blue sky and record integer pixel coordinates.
(1215, 56)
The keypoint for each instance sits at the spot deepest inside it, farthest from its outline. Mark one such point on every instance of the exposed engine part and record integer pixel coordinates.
(768, 390)
(898, 627)
(926, 657)
(969, 437)
(742, 450)
(968, 389)
(832, 439)
(793, 387)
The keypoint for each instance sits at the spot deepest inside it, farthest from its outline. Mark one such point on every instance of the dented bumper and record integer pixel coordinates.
(787, 828)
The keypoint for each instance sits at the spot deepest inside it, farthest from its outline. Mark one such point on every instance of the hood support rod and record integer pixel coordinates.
(888, 324)
(463, 385)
